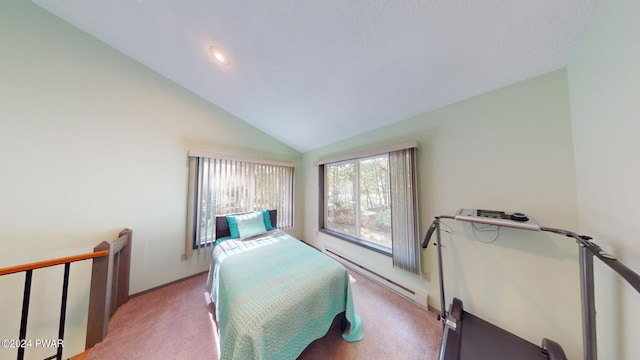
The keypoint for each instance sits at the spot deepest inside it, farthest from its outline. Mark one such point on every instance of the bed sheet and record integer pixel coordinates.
(274, 295)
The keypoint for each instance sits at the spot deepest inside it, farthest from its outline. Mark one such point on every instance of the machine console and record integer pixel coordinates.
(498, 218)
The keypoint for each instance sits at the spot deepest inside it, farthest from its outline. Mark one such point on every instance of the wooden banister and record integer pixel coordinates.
(109, 287)
(52, 262)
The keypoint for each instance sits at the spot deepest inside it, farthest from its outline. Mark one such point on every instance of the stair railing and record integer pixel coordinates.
(109, 289)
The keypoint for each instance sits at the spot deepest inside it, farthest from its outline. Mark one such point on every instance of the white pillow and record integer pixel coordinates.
(250, 224)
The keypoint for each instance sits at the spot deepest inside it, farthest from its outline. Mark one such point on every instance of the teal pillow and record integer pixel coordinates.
(233, 227)
(267, 220)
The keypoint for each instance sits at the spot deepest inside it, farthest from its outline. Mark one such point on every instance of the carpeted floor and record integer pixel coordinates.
(176, 322)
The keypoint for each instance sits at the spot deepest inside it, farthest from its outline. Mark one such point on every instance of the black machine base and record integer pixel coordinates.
(467, 336)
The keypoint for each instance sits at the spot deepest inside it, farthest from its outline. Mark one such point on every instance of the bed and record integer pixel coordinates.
(274, 295)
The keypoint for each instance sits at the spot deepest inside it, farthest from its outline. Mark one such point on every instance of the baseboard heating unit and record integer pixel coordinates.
(409, 294)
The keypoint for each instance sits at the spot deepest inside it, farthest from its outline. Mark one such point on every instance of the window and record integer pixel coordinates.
(358, 201)
(370, 199)
(222, 185)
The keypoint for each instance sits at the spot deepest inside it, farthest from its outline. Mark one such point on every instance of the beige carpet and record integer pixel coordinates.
(176, 322)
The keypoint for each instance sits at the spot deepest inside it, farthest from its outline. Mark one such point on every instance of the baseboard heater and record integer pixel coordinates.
(420, 299)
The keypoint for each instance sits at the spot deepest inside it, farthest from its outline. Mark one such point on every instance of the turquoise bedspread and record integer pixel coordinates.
(275, 295)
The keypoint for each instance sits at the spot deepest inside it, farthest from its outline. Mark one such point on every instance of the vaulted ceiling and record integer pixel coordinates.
(314, 72)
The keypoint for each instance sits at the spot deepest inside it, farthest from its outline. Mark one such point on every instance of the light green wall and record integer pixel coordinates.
(509, 149)
(92, 142)
(604, 83)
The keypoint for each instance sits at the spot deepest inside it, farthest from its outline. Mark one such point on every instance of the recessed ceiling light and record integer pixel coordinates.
(219, 55)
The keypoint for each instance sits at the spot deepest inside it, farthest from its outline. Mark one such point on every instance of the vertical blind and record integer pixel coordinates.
(404, 210)
(219, 186)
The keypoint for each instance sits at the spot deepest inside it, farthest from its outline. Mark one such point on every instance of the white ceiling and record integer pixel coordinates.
(314, 72)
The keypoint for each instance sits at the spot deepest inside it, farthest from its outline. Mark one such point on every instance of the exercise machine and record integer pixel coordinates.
(466, 336)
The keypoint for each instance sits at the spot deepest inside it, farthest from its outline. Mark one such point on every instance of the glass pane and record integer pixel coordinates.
(375, 210)
(341, 205)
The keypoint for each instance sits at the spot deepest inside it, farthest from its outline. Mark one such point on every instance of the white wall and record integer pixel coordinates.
(509, 149)
(604, 82)
(92, 142)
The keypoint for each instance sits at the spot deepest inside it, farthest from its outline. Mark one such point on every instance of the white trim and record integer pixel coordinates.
(212, 155)
(417, 297)
(365, 153)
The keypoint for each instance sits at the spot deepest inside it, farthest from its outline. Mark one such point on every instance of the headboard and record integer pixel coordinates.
(222, 226)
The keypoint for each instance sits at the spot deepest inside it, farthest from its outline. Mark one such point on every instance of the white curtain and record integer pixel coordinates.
(227, 186)
(404, 210)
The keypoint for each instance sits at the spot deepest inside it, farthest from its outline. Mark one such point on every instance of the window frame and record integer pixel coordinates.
(405, 252)
(358, 240)
(195, 240)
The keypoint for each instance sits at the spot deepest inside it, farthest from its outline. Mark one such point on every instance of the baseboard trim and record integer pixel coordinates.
(410, 294)
(165, 285)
